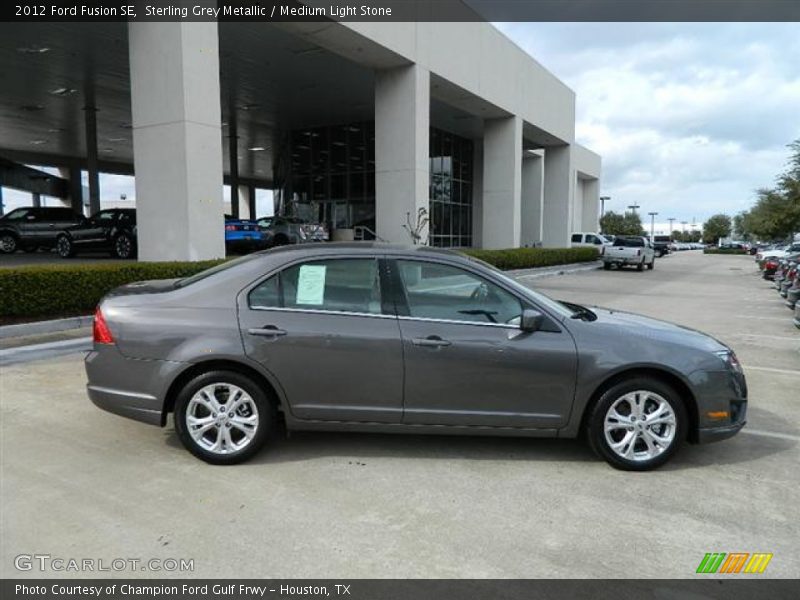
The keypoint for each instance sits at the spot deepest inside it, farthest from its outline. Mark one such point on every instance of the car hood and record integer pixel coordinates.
(663, 331)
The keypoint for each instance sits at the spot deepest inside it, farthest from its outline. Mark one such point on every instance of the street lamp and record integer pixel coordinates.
(633, 207)
(671, 220)
(603, 200)
(652, 225)
(684, 223)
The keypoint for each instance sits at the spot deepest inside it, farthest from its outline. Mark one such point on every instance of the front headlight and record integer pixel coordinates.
(729, 358)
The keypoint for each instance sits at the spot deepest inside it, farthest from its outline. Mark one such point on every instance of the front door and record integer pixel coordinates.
(467, 362)
(320, 327)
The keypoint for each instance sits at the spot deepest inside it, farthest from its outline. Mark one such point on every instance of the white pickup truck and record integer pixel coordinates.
(629, 250)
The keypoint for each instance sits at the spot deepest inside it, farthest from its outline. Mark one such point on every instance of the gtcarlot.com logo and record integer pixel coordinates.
(734, 562)
(46, 562)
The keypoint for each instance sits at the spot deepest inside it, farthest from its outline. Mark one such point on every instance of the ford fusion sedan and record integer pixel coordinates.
(371, 337)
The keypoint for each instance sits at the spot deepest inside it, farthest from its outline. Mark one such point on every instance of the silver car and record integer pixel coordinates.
(370, 337)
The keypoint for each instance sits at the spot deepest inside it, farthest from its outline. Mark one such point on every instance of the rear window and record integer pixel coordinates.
(186, 281)
(629, 242)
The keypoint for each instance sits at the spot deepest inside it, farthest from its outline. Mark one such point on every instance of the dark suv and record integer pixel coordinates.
(29, 228)
(112, 230)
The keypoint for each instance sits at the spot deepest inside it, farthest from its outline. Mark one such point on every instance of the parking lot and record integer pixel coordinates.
(81, 483)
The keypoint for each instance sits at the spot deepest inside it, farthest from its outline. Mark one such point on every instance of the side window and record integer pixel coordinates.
(344, 285)
(591, 239)
(576, 237)
(443, 292)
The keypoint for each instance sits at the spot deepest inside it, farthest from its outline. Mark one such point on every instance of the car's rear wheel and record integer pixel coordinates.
(652, 264)
(65, 247)
(8, 243)
(123, 246)
(223, 417)
(280, 240)
(640, 266)
(637, 424)
(607, 266)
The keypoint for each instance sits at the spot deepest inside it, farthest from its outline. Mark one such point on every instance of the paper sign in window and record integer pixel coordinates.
(311, 285)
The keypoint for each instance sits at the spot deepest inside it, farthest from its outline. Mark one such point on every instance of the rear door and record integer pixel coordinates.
(323, 329)
(466, 360)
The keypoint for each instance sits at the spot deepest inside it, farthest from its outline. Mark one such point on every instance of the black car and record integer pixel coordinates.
(112, 230)
(32, 227)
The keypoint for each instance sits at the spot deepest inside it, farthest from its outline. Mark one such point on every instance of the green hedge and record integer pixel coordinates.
(66, 290)
(724, 251)
(527, 258)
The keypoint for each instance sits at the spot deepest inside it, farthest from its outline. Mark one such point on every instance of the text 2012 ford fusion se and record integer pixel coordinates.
(368, 337)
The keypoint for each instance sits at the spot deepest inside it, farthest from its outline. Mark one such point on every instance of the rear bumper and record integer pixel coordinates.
(139, 407)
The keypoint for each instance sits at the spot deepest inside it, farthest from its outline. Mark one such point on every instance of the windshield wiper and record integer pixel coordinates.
(580, 312)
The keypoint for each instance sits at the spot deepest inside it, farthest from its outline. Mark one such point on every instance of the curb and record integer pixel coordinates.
(40, 327)
(11, 356)
(554, 270)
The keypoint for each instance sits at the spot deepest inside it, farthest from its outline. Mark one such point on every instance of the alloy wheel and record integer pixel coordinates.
(640, 425)
(123, 246)
(8, 244)
(222, 418)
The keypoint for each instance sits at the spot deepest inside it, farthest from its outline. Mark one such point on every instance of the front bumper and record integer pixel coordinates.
(706, 435)
(721, 405)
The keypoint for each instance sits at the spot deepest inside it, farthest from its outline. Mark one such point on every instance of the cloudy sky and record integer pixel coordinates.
(689, 118)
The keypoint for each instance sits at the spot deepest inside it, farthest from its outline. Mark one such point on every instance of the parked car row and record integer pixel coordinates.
(114, 231)
(784, 272)
(680, 246)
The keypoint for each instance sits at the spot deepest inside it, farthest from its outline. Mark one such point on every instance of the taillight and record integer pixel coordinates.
(638, 253)
(100, 330)
(230, 227)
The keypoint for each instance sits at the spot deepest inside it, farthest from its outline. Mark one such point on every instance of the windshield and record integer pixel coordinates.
(214, 270)
(16, 214)
(554, 306)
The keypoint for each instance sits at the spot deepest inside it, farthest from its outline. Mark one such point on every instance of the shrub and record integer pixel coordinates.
(65, 290)
(527, 258)
(724, 251)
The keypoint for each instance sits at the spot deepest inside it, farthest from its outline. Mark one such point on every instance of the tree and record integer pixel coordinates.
(776, 213)
(716, 227)
(628, 223)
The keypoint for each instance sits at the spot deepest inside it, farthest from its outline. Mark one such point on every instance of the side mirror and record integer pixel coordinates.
(531, 320)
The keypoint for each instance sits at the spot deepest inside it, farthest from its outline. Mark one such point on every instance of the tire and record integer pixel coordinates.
(607, 266)
(280, 240)
(123, 246)
(8, 243)
(217, 443)
(640, 266)
(614, 410)
(65, 247)
(652, 264)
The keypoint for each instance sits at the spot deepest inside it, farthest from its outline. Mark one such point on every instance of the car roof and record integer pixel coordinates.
(367, 247)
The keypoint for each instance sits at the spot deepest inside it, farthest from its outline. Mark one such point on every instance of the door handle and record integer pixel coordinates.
(432, 341)
(267, 331)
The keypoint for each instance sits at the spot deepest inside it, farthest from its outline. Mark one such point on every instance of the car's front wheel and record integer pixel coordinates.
(223, 417)
(8, 243)
(637, 424)
(65, 247)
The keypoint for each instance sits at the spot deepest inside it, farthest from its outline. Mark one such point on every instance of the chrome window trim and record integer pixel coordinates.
(457, 322)
(321, 311)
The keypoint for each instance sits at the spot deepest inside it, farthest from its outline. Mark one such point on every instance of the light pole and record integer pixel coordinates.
(684, 223)
(671, 220)
(652, 225)
(633, 207)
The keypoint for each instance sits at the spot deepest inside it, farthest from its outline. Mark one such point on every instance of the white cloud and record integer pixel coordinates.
(690, 118)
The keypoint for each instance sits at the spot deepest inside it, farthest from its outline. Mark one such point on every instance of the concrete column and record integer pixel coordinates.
(177, 140)
(75, 199)
(90, 118)
(559, 188)
(251, 201)
(502, 182)
(242, 201)
(477, 194)
(532, 198)
(591, 205)
(36, 199)
(2, 206)
(233, 162)
(402, 171)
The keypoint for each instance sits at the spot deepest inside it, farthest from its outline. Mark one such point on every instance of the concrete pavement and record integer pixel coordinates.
(81, 483)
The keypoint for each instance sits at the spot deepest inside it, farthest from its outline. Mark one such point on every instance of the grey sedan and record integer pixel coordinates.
(369, 337)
